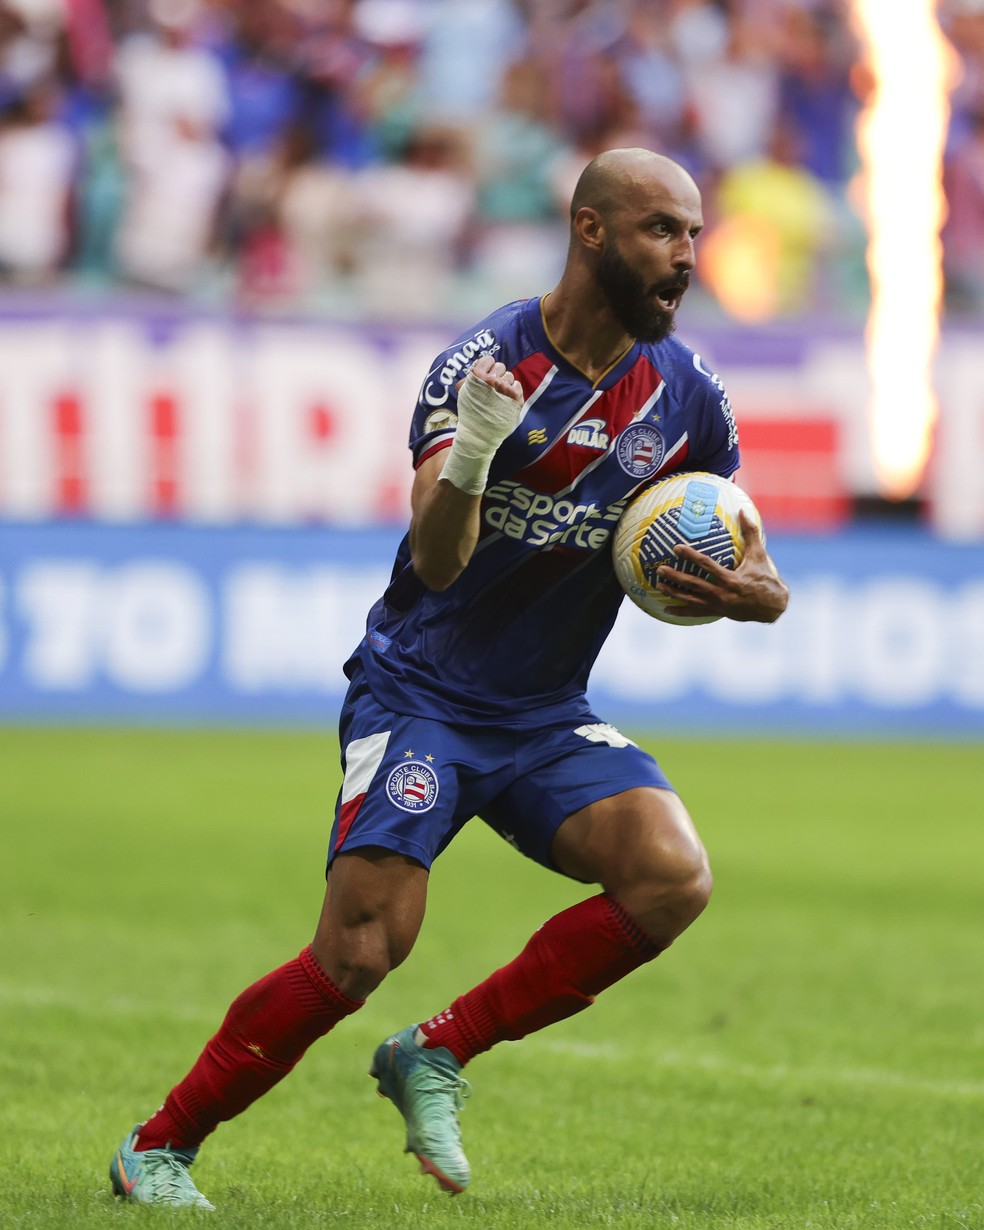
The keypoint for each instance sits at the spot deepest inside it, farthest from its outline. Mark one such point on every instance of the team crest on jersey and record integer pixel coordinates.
(589, 433)
(640, 450)
(412, 786)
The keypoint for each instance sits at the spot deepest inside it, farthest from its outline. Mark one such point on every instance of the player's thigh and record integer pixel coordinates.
(561, 771)
(641, 839)
(641, 847)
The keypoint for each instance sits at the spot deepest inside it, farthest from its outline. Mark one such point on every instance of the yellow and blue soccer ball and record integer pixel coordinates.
(695, 508)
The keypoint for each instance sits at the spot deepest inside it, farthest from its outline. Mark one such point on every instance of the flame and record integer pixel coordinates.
(901, 133)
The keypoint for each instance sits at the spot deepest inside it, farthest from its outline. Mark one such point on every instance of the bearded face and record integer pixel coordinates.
(647, 313)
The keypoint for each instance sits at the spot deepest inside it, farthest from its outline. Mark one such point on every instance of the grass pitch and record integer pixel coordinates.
(809, 1055)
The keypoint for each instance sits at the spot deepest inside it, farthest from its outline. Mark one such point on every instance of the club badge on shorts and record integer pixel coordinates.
(412, 786)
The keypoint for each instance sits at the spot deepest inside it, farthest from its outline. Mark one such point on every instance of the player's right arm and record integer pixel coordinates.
(447, 492)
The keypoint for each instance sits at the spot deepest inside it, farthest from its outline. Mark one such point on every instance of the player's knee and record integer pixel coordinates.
(672, 893)
(691, 891)
(358, 976)
(372, 912)
(358, 959)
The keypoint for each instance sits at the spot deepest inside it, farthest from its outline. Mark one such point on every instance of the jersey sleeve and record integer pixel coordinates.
(436, 414)
(433, 428)
(717, 432)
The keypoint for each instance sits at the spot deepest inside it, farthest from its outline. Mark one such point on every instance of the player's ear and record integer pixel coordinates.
(589, 227)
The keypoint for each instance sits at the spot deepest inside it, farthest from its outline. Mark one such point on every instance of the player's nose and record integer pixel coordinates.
(684, 255)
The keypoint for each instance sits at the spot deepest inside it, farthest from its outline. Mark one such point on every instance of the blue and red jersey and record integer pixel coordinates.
(512, 641)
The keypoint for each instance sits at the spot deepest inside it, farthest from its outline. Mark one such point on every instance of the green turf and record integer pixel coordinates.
(808, 1056)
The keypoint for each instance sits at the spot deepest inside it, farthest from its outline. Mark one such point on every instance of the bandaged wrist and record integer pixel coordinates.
(468, 474)
(485, 418)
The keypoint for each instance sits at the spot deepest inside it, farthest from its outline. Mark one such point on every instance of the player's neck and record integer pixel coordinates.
(584, 330)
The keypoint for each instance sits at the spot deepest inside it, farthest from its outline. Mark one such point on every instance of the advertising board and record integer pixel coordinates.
(884, 633)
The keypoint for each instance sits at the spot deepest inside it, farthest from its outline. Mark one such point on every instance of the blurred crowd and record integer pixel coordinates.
(399, 157)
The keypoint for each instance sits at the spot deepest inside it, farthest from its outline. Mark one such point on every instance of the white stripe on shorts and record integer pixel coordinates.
(362, 757)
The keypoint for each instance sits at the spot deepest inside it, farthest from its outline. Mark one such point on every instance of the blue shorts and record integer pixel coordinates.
(410, 783)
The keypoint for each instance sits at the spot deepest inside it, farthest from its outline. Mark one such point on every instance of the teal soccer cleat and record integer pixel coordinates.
(427, 1089)
(155, 1176)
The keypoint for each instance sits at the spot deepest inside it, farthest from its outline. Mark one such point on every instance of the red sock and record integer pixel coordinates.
(265, 1032)
(572, 957)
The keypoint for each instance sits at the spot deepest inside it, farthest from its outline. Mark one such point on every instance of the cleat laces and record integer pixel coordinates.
(434, 1090)
(432, 1081)
(436, 1086)
(169, 1180)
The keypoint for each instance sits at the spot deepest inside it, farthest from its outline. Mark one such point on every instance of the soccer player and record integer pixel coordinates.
(467, 694)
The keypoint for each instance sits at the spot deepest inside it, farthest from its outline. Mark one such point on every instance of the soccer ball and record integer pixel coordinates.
(695, 508)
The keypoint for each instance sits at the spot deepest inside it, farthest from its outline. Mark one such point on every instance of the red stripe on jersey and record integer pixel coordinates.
(674, 458)
(561, 464)
(346, 818)
(530, 372)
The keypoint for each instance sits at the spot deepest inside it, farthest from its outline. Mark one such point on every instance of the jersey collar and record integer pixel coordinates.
(536, 325)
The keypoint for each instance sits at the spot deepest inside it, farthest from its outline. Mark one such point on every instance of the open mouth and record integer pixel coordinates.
(669, 297)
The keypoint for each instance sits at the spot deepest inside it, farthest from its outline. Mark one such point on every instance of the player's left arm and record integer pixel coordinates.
(753, 592)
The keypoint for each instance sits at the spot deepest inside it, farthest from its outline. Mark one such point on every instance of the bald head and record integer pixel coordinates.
(635, 216)
(619, 176)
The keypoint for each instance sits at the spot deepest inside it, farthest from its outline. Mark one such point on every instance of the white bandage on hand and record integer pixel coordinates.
(485, 419)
